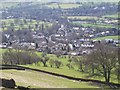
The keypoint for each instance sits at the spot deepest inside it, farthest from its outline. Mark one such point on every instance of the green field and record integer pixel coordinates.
(98, 25)
(93, 25)
(111, 16)
(107, 37)
(41, 80)
(8, 4)
(72, 72)
(83, 17)
(21, 24)
(63, 5)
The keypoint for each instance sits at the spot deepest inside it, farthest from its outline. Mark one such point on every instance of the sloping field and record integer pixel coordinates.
(34, 79)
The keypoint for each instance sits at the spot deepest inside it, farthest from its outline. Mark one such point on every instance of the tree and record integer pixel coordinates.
(57, 63)
(9, 57)
(44, 61)
(104, 59)
(69, 66)
(89, 62)
(117, 69)
(78, 62)
(51, 62)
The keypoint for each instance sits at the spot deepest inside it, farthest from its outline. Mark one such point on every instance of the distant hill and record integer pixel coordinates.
(65, 1)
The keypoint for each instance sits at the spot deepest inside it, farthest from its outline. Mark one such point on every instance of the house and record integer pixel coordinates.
(74, 53)
(87, 51)
(32, 46)
(3, 46)
(87, 45)
(109, 40)
(76, 28)
(70, 46)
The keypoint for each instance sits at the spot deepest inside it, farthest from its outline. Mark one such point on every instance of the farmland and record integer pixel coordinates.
(63, 5)
(40, 80)
(19, 24)
(93, 25)
(83, 17)
(8, 4)
(115, 16)
(71, 72)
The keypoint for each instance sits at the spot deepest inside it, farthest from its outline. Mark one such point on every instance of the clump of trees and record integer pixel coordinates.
(103, 61)
(16, 56)
(23, 57)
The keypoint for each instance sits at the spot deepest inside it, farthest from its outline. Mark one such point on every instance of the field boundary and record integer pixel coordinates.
(112, 85)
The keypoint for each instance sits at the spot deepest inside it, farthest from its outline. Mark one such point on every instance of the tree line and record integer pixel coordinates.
(24, 57)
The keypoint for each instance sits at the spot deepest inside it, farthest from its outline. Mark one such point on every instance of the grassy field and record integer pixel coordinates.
(93, 25)
(40, 80)
(8, 4)
(83, 17)
(107, 37)
(20, 24)
(72, 73)
(2, 51)
(63, 5)
(111, 16)
(98, 25)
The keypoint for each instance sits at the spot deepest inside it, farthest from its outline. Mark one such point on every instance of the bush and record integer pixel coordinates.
(51, 62)
(57, 63)
(69, 66)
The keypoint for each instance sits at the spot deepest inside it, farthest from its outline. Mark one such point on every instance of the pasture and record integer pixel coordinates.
(83, 17)
(62, 5)
(114, 16)
(72, 72)
(93, 25)
(33, 79)
(8, 4)
(19, 24)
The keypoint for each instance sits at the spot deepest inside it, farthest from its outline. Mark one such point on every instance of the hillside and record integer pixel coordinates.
(34, 79)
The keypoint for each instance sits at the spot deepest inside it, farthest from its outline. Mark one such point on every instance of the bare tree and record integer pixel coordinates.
(104, 59)
(117, 69)
(89, 62)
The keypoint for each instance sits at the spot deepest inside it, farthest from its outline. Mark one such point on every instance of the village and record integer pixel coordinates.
(64, 41)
